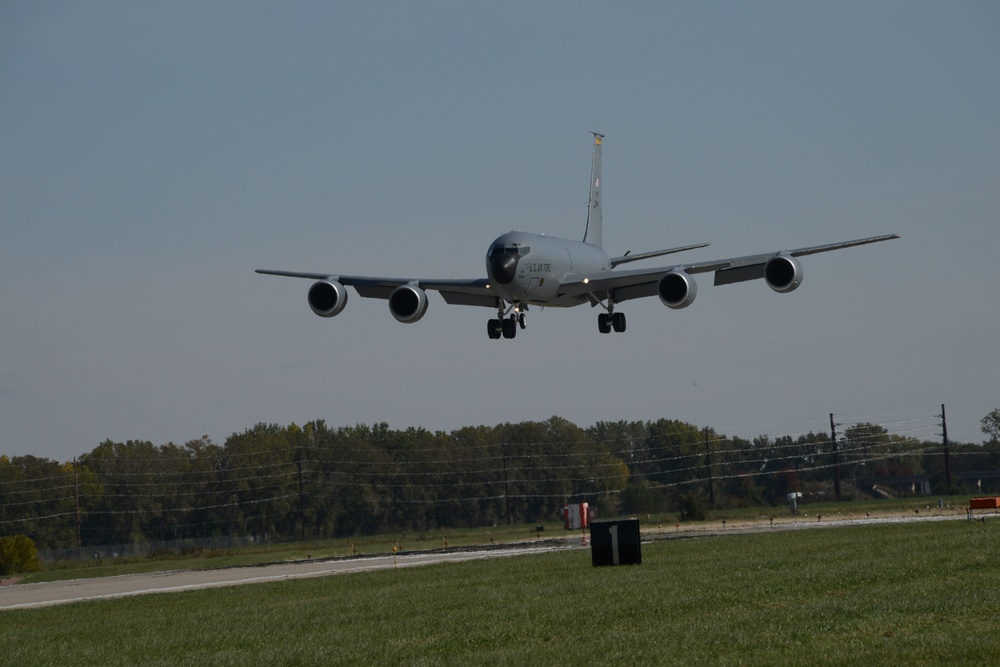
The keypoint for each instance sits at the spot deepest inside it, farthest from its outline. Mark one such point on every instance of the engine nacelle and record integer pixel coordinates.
(677, 290)
(783, 273)
(408, 303)
(327, 298)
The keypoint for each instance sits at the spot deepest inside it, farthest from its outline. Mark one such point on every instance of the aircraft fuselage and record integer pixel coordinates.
(527, 268)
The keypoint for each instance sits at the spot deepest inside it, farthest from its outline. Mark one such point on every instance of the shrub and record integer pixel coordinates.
(18, 554)
(692, 507)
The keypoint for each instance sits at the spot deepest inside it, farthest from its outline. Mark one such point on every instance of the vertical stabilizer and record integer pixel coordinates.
(593, 235)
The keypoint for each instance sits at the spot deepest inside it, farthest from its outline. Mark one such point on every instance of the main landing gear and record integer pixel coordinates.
(610, 320)
(505, 325)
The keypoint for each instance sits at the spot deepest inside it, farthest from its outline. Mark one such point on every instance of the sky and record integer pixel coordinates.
(152, 155)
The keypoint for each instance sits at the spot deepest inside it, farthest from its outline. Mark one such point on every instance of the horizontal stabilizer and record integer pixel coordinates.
(626, 258)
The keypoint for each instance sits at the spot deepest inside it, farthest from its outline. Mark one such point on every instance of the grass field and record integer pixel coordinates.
(914, 594)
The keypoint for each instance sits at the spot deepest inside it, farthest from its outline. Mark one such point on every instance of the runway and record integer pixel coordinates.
(23, 596)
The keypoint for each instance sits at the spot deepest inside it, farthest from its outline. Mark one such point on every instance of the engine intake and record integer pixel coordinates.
(408, 303)
(783, 273)
(677, 290)
(327, 298)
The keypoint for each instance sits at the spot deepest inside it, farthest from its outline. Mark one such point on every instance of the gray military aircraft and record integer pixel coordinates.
(534, 269)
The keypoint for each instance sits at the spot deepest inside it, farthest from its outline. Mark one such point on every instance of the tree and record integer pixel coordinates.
(991, 425)
(640, 498)
(871, 450)
(18, 554)
(130, 502)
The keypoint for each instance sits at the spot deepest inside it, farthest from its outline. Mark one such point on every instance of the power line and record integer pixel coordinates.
(435, 470)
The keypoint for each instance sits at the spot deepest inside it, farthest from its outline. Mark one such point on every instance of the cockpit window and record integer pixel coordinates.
(508, 250)
(516, 250)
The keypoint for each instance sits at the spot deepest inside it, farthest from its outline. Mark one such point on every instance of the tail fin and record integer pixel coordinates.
(593, 235)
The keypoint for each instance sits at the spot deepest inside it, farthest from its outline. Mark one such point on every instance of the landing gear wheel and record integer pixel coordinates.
(509, 327)
(520, 319)
(618, 322)
(494, 329)
(604, 323)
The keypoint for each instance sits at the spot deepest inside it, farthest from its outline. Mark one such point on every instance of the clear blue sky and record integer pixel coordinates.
(152, 155)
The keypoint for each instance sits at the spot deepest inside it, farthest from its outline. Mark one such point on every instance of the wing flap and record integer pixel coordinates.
(635, 291)
(739, 274)
(464, 299)
(374, 291)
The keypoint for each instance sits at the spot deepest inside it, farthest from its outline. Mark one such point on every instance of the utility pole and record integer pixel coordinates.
(708, 465)
(836, 458)
(302, 506)
(506, 488)
(76, 487)
(947, 455)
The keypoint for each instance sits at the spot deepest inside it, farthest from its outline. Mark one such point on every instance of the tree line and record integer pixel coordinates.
(277, 482)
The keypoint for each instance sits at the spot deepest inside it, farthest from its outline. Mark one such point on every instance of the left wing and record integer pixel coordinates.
(462, 292)
(780, 269)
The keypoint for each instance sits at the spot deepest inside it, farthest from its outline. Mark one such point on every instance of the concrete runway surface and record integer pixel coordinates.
(22, 596)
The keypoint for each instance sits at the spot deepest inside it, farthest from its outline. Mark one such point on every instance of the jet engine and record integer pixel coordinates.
(677, 290)
(327, 298)
(783, 273)
(408, 303)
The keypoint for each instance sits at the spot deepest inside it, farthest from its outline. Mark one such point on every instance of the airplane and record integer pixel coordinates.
(526, 269)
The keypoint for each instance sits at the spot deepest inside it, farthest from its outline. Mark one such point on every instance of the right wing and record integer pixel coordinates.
(461, 292)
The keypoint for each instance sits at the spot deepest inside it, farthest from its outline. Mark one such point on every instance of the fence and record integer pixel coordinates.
(145, 549)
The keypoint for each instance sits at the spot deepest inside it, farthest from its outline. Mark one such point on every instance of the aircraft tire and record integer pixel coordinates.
(509, 328)
(604, 323)
(493, 328)
(618, 321)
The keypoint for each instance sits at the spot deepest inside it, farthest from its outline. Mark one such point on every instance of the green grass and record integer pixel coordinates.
(914, 594)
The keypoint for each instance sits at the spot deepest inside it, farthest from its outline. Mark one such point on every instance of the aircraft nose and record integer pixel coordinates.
(503, 267)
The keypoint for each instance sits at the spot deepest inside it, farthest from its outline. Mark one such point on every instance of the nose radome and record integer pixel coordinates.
(503, 267)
